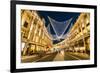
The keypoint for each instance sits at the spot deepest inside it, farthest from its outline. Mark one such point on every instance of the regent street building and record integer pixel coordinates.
(78, 39)
(34, 35)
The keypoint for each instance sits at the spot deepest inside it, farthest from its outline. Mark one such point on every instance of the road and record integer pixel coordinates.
(47, 58)
(76, 56)
(57, 57)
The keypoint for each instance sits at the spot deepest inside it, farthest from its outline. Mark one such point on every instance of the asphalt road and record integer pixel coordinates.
(52, 57)
(47, 58)
(79, 56)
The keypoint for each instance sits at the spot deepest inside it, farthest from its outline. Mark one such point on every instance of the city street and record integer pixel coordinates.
(66, 56)
(51, 39)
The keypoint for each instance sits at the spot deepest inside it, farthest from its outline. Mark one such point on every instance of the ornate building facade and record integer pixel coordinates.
(34, 35)
(78, 39)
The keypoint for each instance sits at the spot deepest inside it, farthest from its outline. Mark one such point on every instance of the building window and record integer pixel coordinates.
(85, 16)
(88, 24)
(35, 21)
(25, 24)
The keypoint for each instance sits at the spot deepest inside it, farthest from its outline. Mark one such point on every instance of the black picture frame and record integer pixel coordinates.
(13, 35)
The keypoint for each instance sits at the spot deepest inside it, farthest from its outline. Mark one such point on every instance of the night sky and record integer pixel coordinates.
(58, 16)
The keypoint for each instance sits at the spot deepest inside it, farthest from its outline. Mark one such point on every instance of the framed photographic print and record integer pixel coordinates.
(52, 36)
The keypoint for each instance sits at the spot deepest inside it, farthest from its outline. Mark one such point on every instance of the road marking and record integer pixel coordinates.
(74, 56)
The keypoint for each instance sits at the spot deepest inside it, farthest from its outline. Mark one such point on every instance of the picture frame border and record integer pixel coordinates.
(13, 35)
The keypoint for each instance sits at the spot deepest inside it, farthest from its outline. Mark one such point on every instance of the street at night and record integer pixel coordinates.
(68, 56)
(54, 36)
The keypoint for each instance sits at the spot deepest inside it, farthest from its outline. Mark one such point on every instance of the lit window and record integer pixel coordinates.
(25, 24)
